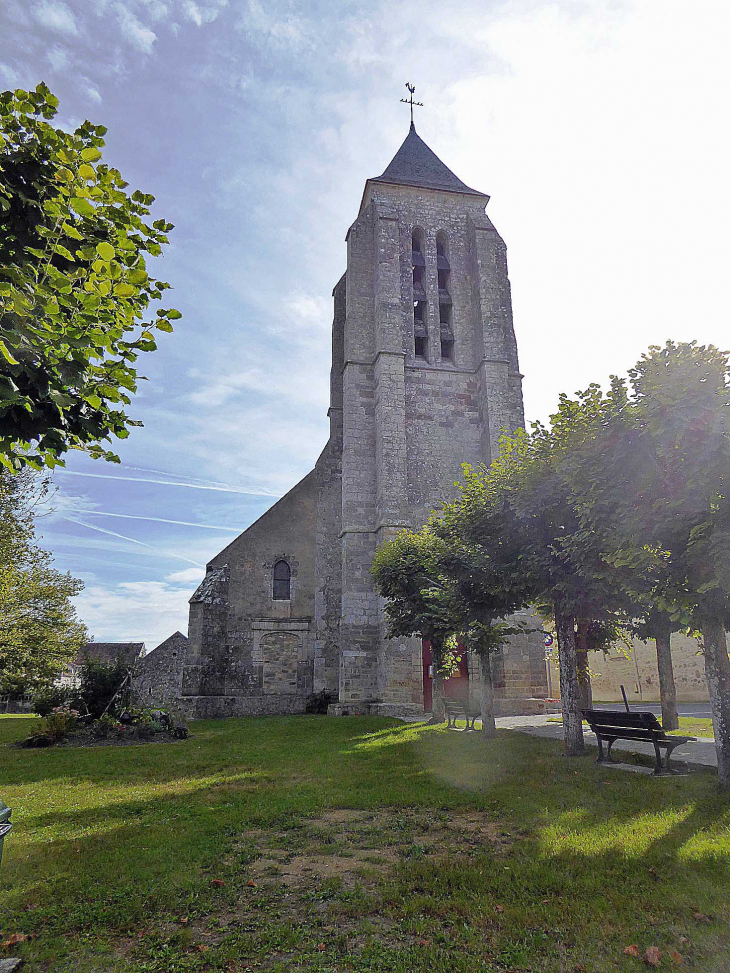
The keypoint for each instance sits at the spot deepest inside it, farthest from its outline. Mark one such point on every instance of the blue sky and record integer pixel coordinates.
(597, 127)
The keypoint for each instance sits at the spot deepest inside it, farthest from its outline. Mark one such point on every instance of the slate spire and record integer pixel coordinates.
(414, 164)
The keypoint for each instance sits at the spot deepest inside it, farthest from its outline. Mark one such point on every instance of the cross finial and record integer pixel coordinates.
(410, 101)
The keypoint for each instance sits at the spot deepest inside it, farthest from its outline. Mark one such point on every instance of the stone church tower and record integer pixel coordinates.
(424, 378)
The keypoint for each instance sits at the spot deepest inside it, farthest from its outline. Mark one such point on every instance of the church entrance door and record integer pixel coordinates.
(455, 687)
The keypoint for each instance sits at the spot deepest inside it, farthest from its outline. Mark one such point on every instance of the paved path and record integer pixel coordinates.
(699, 754)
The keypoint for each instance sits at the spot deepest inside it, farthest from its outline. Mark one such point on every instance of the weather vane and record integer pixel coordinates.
(410, 101)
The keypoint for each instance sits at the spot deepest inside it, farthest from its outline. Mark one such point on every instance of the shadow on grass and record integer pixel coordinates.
(129, 835)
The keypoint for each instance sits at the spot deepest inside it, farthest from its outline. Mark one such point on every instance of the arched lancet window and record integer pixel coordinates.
(420, 328)
(282, 581)
(443, 268)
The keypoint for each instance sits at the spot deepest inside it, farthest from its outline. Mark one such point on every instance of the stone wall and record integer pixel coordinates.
(408, 423)
(248, 652)
(639, 674)
(157, 676)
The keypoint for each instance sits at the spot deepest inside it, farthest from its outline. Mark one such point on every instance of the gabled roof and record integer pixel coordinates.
(414, 164)
(173, 644)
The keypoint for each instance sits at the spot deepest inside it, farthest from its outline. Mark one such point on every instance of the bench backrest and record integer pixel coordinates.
(618, 719)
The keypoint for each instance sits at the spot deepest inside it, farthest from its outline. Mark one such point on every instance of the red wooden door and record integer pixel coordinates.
(455, 687)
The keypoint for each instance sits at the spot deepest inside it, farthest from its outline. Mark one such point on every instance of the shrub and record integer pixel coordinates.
(50, 697)
(100, 682)
(55, 727)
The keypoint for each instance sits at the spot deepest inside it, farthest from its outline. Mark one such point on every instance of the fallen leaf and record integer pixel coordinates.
(683, 940)
(545, 901)
(218, 882)
(701, 917)
(183, 920)
(632, 950)
(675, 957)
(653, 956)
(252, 884)
(424, 942)
(17, 937)
(499, 908)
(321, 947)
(202, 948)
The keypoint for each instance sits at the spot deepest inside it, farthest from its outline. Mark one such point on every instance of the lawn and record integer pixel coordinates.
(356, 844)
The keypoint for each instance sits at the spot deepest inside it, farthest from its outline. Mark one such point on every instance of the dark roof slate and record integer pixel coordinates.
(414, 164)
(126, 652)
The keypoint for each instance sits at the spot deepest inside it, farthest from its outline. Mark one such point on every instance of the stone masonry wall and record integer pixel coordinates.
(248, 653)
(157, 676)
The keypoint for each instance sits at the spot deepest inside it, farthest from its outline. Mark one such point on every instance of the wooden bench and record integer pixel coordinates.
(612, 725)
(458, 709)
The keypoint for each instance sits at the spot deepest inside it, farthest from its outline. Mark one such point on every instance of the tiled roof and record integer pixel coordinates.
(414, 164)
(126, 652)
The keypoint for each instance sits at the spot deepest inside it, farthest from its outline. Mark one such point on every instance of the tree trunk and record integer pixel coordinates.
(438, 712)
(584, 676)
(667, 690)
(717, 670)
(569, 688)
(489, 728)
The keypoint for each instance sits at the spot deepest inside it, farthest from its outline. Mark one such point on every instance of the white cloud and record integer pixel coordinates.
(134, 30)
(191, 575)
(58, 58)
(56, 16)
(9, 75)
(202, 13)
(93, 94)
(145, 611)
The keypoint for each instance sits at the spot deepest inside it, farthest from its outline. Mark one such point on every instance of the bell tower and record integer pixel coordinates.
(425, 378)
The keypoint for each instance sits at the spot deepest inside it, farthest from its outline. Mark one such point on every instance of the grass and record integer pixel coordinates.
(355, 844)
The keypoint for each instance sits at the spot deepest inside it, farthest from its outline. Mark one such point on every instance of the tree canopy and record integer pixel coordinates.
(74, 287)
(39, 628)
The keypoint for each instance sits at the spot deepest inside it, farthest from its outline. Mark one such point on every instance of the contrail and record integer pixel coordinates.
(160, 520)
(133, 540)
(190, 486)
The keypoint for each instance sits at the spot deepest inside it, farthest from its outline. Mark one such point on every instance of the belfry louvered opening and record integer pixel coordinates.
(420, 305)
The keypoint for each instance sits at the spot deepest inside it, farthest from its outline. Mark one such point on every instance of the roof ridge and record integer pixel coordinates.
(415, 164)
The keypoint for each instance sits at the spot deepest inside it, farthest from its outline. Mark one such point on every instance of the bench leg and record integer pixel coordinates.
(659, 770)
(669, 768)
(608, 751)
(600, 749)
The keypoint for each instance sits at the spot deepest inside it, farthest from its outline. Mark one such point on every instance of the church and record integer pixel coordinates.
(424, 378)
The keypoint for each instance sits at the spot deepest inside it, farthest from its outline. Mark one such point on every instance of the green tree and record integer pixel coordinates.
(485, 597)
(39, 629)
(523, 513)
(74, 287)
(420, 599)
(664, 514)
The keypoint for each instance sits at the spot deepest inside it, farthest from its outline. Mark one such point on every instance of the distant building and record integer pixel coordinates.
(125, 652)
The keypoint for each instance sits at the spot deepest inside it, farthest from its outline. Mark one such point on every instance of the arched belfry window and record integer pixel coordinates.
(443, 269)
(420, 327)
(282, 581)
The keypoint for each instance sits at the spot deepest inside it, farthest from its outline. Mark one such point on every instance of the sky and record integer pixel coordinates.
(595, 125)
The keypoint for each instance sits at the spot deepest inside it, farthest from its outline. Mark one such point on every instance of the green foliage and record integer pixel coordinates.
(48, 698)
(420, 598)
(74, 287)
(100, 683)
(39, 629)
